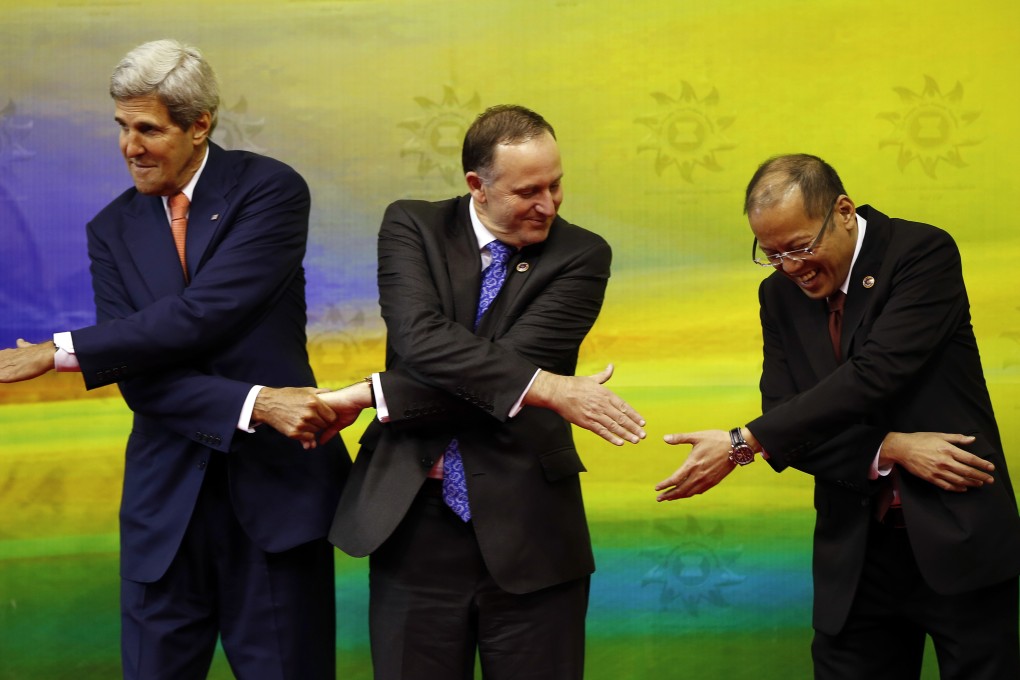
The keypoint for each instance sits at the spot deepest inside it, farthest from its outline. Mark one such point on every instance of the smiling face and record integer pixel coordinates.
(519, 200)
(785, 225)
(161, 156)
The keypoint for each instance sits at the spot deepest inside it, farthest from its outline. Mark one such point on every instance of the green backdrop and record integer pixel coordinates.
(663, 110)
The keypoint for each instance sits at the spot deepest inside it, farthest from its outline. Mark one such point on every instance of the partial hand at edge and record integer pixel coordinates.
(296, 412)
(707, 464)
(583, 401)
(935, 458)
(347, 403)
(27, 361)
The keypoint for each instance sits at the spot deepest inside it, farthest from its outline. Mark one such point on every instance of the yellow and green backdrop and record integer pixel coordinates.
(663, 109)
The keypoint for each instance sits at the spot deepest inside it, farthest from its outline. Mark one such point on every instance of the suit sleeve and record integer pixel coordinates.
(926, 305)
(443, 360)
(258, 253)
(184, 397)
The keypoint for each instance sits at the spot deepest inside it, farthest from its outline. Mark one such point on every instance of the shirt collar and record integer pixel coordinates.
(189, 188)
(482, 235)
(862, 226)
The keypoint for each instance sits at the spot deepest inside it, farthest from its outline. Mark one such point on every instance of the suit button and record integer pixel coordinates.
(428, 462)
(865, 502)
(201, 465)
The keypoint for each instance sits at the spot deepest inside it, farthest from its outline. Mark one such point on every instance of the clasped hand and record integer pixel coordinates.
(311, 415)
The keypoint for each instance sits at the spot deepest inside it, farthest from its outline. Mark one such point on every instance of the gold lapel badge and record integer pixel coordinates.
(869, 281)
(523, 267)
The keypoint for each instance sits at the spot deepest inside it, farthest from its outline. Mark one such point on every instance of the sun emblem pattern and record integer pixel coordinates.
(437, 135)
(931, 128)
(685, 133)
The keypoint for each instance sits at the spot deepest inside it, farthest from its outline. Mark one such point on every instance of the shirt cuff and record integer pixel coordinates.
(382, 412)
(244, 421)
(64, 359)
(877, 470)
(516, 408)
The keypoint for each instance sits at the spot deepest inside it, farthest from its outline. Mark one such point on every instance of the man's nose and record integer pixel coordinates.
(546, 205)
(131, 147)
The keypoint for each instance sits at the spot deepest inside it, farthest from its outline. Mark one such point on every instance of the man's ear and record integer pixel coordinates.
(201, 128)
(845, 210)
(476, 185)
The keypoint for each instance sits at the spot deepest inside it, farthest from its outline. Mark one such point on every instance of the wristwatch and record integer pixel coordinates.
(740, 452)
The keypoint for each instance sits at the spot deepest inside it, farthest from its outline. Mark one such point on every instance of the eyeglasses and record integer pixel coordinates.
(799, 255)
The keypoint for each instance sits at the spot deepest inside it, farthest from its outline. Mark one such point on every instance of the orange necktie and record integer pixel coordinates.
(179, 225)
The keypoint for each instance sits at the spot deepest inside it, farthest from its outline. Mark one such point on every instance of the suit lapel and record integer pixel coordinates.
(812, 326)
(464, 266)
(861, 290)
(523, 265)
(146, 233)
(208, 206)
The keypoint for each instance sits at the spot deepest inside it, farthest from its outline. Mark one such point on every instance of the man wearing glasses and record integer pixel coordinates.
(867, 336)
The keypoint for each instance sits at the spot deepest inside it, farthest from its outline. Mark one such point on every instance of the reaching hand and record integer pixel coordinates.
(706, 465)
(27, 361)
(297, 412)
(583, 401)
(935, 458)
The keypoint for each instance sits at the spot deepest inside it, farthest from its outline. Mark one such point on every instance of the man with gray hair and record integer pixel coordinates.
(199, 290)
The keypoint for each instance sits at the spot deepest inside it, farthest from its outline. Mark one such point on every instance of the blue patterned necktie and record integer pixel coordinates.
(454, 483)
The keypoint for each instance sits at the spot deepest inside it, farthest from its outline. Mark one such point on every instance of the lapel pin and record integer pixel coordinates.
(215, 217)
(869, 281)
(523, 267)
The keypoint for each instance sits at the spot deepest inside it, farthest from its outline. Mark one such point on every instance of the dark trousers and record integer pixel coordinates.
(975, 634)
(434, 604)
(275, 612)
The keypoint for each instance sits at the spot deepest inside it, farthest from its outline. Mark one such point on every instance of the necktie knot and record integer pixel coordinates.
(836, 301)
(179, 204)
(500, 253)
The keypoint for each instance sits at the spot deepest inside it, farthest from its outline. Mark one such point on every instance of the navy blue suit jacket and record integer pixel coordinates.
(186, 355)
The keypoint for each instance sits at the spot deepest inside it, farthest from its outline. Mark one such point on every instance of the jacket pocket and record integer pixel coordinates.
(560, 463)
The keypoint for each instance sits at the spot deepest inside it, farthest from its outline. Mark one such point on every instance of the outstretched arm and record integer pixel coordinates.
(26, 361)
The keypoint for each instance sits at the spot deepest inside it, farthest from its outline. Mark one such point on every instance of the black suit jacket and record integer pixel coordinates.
(912, 366)
(444, 380)
(186, 356)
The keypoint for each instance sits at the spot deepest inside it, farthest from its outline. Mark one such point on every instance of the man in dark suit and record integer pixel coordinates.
(223, 523)
(916, 533)
(506, 570)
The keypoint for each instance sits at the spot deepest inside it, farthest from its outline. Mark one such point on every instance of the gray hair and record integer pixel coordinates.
(175, 73)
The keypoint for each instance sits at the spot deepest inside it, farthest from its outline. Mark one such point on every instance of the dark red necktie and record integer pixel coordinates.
(836, 302)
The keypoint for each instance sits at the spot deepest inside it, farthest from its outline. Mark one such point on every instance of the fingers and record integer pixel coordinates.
(679, 438)
(604, 375)
(324, 411)
(956, 438)
(24, 343)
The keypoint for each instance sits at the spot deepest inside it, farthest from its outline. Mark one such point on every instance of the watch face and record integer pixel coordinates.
(741, 455)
